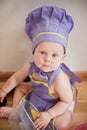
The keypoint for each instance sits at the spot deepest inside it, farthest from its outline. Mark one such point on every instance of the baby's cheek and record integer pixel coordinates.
(55, 66)
(38, 61)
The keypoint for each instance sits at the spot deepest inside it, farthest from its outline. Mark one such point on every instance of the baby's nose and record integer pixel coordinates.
(48, 58)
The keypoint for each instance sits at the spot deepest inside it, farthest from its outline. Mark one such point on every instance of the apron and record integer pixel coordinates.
(41, 96)
(40, 99)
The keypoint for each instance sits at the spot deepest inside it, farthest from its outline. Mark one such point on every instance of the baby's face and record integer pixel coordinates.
(48, 56)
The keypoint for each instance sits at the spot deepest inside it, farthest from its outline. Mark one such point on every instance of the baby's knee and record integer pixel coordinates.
(64, 126)
(63, 122)
(20, 88)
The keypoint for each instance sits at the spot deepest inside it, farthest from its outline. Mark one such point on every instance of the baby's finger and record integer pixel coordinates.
(1, 100)
(40, 126)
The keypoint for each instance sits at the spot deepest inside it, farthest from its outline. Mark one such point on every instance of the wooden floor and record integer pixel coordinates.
(80, 113)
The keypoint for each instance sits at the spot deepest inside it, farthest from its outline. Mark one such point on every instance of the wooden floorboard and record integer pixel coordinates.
(80, 113)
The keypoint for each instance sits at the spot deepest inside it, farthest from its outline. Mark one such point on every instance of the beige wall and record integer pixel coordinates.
(15, 47)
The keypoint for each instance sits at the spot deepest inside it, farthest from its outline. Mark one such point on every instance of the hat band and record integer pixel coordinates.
(44, 33)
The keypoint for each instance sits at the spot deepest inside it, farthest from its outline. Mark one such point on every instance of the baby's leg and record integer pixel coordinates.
(63, 122)
(20, 91)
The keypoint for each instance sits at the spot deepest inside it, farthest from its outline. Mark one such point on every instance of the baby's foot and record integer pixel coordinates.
(21, 126)
(5, 111)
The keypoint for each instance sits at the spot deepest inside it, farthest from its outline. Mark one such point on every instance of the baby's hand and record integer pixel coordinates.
(2, 95)
(42, 120)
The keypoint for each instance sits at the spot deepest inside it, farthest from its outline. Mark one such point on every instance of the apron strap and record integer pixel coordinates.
(74, 78)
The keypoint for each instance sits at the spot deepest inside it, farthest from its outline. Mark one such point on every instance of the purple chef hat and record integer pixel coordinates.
(48, 24)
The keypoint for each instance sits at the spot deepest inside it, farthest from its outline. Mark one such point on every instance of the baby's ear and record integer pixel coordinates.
(63, 57)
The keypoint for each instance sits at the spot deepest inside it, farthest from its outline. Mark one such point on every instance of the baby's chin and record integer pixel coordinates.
(47, 70)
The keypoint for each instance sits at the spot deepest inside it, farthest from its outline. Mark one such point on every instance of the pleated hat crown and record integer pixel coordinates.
(48, 24)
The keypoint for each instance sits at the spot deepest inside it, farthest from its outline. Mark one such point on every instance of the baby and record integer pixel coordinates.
(50, 79)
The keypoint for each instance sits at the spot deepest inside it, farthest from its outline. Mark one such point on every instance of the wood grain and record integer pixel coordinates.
(5, 75)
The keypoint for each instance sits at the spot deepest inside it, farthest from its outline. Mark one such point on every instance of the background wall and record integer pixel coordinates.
(15, 46)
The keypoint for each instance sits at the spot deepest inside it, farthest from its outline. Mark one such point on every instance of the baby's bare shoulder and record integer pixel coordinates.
(62, 76)
(62, 80)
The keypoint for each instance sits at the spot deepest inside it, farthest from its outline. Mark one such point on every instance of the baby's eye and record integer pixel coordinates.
(55, 55)
(42, 52)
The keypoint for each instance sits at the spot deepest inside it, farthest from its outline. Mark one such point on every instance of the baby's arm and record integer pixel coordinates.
(63, 88)
(14, 80)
